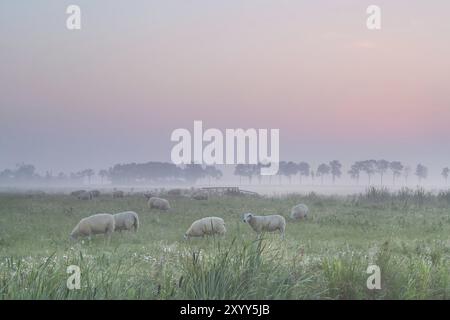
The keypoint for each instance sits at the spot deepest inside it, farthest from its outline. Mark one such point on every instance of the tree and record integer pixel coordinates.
(368, 166)
(239, 171)
(103, 174)
(421, 172)
(355, 171)
(88, 173)
(335, 168)
(288, 169)
(304, 170)
(396, 168)
(406, 172)
(445, 173)
(381, 167)
(212, 172)
(25, 172)
(323, 170)
(193, 172)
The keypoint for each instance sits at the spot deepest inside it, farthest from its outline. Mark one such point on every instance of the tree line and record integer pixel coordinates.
(164, 172)
(333, 170)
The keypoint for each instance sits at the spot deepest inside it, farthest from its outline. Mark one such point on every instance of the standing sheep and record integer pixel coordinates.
(205, 227)
(199, 195)
(127, 220)
(118, 194)
(101, 223)
(85, 195)
(266, 223)
(299, 211)
(158, 203)
(77, 193)
(95, 193)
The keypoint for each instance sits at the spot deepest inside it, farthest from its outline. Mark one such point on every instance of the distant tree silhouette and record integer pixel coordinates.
(406, 172)
(355, 171)
(304, 170)
(103, 174)
(369, 167)
(212, 172)
(381, 167)
(335, 169)
(322, 171)
(445, 173)
(193, 172)
(421, 172)
(88, 173)
(287, 169)
(396, 167)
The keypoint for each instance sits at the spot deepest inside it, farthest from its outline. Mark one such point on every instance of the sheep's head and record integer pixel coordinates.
(73, 237)
(247, 217)
(186, 237)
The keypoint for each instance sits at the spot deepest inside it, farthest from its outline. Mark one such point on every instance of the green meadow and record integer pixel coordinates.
(326, 256)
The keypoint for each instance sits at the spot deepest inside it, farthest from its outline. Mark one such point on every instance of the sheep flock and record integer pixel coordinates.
(107, 223)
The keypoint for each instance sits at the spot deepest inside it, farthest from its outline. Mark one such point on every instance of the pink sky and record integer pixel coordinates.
(115, 90)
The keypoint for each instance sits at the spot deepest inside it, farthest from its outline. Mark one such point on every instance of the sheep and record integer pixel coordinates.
(77, 193)
(148, 195)
(266, 223)
(101, 223)
(85, 196)
(158, 203)
(299, 211)
(126, 221)
(118, 194)
(95, 193)
(175, 192)
(198, 195)
(205, 227)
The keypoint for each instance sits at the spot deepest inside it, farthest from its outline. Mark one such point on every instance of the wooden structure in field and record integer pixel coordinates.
(229, 191)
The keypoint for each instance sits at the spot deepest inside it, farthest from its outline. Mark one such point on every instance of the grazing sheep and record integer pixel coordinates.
(148, 195)
(158, 203)
(77, 193)
(205, 227)
(85, 196)
(266, 223)
(200, 196)
(127, 220)
(101, 223)
(299, 211)
(95, 193)
(175, 192)
(118, 194)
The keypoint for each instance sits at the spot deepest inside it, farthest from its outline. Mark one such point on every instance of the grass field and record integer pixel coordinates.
(324, 257)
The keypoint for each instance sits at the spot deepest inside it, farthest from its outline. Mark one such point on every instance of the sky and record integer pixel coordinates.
(115, 90)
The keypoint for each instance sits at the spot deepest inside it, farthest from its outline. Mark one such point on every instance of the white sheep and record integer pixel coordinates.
(127, 220)
(299, 211)
(205, 227)
(118, 194)
(101, 223)
(85, 196)
(266, 223)
(158, 203)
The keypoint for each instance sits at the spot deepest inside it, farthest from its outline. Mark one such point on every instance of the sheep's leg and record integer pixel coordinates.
(108, 238)
(282, 233)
